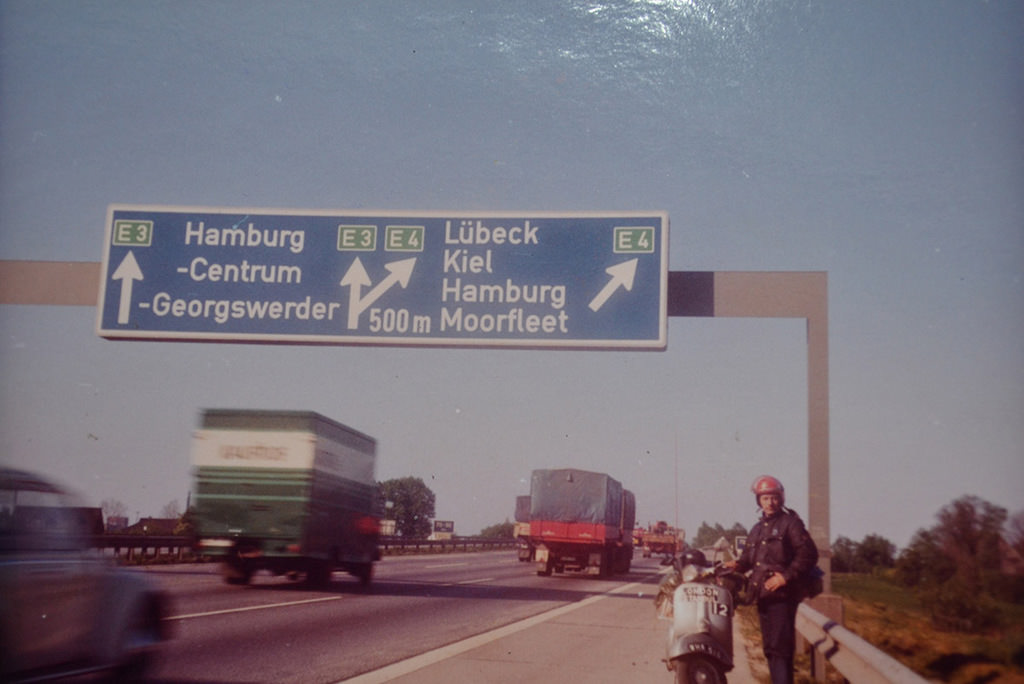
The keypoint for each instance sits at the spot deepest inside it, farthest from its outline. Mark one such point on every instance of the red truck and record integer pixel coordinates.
(580, 520)
(662, 539)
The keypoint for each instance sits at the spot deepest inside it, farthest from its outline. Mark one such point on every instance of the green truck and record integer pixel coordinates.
(291, 492)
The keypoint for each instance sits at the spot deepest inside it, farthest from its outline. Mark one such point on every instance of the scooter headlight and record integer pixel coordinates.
(690, 573)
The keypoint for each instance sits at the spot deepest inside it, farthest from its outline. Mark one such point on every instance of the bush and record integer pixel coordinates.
(1009, 588)
(956, 606)
(505, 530)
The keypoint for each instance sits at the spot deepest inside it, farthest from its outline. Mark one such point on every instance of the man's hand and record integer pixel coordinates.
(775, 582)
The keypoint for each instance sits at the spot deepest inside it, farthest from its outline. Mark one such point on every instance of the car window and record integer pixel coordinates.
(32, 520)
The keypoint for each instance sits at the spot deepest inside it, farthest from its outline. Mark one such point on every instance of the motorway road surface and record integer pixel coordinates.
(277, 630)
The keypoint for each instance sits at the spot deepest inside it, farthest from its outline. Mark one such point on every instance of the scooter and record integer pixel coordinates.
(699, 598)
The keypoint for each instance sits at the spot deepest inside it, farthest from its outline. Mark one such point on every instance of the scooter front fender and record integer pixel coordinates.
(700, 644)
(703, 609)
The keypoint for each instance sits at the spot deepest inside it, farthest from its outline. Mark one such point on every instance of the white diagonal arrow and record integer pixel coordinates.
(128, 272)
(356, 278)
(622, 275)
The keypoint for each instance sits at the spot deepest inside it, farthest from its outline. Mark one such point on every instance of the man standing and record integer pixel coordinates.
(780, 553)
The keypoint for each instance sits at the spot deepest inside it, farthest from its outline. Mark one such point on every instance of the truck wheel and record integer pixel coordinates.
(236, 573)
(606, 566)
(318, 573)
(546, 570)
(698, 670)
(364, 571)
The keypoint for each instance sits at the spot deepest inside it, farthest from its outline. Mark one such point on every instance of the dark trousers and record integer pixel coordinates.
(778, 636)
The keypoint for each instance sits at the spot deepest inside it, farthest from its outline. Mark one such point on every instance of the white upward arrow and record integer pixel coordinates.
(127, 272)
(356, 278)
(622, 275)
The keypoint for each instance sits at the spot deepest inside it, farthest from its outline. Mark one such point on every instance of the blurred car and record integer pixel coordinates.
(65, 609)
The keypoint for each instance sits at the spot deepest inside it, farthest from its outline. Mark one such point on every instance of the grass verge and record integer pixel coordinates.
(891, 618)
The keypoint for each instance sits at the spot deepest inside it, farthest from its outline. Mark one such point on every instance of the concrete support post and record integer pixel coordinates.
(795, 295)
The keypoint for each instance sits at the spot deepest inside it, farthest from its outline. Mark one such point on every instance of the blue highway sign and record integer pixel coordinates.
(586, 280)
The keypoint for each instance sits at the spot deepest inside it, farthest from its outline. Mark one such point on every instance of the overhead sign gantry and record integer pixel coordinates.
(587, 280)
(690, 293)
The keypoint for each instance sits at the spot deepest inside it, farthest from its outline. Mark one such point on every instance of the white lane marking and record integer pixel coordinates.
(404, 667)
(474, 581)
(248, 608)
(443, 565)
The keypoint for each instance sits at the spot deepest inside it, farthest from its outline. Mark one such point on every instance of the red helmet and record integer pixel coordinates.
(766, 484)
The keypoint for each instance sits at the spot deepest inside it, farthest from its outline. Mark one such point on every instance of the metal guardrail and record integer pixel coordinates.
(857, 660)
(133, 545)
(398, 544)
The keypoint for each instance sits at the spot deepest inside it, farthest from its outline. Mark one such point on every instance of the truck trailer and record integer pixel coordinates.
(580, 520)
(291, 492)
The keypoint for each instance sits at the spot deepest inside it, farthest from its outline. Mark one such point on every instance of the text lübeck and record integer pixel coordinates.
(470, 232)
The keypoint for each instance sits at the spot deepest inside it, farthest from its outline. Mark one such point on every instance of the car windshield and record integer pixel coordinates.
(37, 516)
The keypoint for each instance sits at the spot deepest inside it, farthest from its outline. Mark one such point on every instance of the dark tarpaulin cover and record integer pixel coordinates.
(575, 496)
(523, 508)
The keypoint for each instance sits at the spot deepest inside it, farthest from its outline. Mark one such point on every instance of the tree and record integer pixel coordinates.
(922, 564)
(874, 552)
(870, 554)
(969, 532)
(954, 566)
(412, 506)
(707, 535)
(113, 508)
(1015, 532)
(186, 526)
(964, 543)
(844, 552)
(171, 509)
(505, 530)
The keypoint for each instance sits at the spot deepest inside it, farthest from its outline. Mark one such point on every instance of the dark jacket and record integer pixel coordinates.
(779, 544)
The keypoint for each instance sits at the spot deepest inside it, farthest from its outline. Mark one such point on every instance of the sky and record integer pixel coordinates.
(881, 143)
